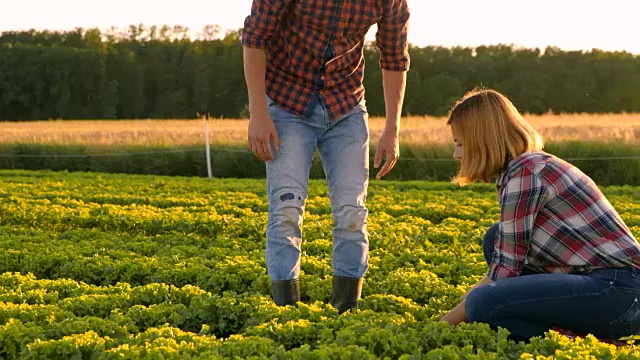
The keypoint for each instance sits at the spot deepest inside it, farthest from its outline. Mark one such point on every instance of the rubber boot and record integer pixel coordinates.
(345, 293)
(285, 292)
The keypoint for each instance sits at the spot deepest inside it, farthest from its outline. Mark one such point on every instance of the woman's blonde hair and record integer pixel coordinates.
(493, 132)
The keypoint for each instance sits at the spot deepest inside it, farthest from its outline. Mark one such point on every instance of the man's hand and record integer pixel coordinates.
(389, 148)
(263, 134)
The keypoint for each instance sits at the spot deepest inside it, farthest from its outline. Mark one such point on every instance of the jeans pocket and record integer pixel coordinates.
(627, 324)
(270, 102)
(627, 279)
(362, 105)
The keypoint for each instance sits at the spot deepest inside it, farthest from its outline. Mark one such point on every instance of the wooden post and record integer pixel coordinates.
(207, 148)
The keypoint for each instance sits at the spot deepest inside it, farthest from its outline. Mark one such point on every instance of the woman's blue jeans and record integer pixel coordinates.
(343, 146)
(602, 302)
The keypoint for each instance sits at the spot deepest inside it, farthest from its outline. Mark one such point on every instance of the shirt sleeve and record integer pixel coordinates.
(520, 200)
(262, 22)
(391, 37)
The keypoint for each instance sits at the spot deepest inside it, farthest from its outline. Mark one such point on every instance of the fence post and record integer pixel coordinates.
(207, 148)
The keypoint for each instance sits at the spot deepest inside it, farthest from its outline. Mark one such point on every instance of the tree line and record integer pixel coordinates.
(163, 72)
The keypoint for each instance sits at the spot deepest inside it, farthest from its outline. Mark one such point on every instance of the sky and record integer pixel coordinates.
(568, 24)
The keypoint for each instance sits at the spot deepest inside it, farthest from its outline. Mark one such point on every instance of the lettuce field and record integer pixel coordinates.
(108, 266)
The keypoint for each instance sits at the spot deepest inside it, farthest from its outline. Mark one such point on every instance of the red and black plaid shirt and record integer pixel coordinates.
(315, 47)
(554, 219)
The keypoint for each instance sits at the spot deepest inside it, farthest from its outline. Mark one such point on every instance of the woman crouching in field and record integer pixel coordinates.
(560, 256)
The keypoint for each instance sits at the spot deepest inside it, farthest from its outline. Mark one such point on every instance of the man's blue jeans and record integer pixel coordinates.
(344, 151)
(602, 302)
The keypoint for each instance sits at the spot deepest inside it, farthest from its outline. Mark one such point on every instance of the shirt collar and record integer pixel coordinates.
(511, 165)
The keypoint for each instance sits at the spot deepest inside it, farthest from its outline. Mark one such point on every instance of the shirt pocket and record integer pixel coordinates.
(313, 15)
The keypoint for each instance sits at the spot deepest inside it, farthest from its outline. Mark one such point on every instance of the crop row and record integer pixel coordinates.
(124, 266)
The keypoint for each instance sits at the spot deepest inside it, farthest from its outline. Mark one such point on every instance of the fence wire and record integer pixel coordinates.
(190, 150)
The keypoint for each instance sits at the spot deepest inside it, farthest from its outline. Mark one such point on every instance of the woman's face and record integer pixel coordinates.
(457, 139)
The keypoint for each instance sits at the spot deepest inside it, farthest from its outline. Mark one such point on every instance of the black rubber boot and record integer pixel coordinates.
(285, 292)
(345, 293)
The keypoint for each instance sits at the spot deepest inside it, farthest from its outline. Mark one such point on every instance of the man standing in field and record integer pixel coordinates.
(304, 65)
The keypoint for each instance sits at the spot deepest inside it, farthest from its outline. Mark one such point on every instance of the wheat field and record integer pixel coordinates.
(415, 130)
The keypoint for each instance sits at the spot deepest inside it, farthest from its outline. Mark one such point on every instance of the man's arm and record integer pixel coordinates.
(258, 28)
(391, 39)
(262, 132)
(394, 83)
